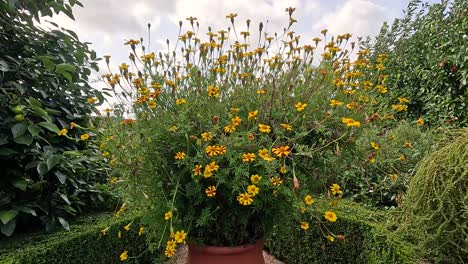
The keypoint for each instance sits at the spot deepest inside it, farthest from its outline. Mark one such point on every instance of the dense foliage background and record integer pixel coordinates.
(45, 178)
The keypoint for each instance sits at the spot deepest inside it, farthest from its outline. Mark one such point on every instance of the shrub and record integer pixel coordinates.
(85, 243)
(48, 174)
(435, 208)
(427, 60)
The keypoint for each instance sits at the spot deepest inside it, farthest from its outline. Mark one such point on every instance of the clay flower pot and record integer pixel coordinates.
(247, 254)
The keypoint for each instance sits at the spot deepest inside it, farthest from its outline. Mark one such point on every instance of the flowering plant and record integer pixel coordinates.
(221, 133)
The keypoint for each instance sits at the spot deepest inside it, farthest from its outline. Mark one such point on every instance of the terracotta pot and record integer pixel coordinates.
(248, 254)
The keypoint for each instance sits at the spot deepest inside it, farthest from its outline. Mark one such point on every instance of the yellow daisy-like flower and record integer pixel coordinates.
(248, 157)
(170, 251)
(252, 115)
(180, 155)
(210, 191)
(276, 181)
(375, 145)
(213, 91)
(408, 144)
(264, 154)
(236, 121)
(350, 122)
(331, 238)
(420, 121)
(234, 110)
(264, 128)
(168, 215)
(334, 102)
(197, 170)
(124, 256)
(211, 150)
(286, 126)
(304, 225)
(229, 128)
(213, 166)
(394, 176)
(207, 136)
(308, 200)
(141, 230)
(300, 106)
(253, 190)
(255, 178)
(403, 100)
(281, 151)
(180, 236)
(84, 137)
(180, 101)
(119, 235)
(127, 227)
(92, 100)
(261, 91)
(245, 199)
(283, 169)
(152, 104)
(330, 216)
(402, 157)
(221, 150)
(62, 132)
(335, 189)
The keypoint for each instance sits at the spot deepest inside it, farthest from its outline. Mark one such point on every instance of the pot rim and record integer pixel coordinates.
(227, 250)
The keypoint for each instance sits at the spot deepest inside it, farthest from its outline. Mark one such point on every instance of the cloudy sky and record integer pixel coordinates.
(108, 23)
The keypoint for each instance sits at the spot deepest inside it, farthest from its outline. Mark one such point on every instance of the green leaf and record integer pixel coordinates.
(7, 151)
(52, 161)
(26, 210)
(65, 67)
(9, 228)
(26, 139)
(65, 198)
(41, 112)
(34, 130)
(7, 216)
(21, 184)
(50, 65)
(42, 168)
(50, 126)
(18, 129)
(34, 102)
(64, 223)
(61, 177)
(72, 153)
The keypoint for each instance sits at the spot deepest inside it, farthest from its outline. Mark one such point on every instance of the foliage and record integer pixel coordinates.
(256, 111)
(85, 243)
(427, 60)
(435, 208)
(48, 174)
(362, 237)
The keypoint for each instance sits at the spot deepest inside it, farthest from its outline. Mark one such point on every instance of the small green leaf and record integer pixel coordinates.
(9, 228)
(26, 139)
(34, 102)
(41, 112)
(19, 129)
(72, 153)
(64, 223)
(52, 161)
(61, 177)
(50, 126)
(65, 198)
(42, 168)
(66, 67)
(34, 130)
(7, 151)
(6, 216)
(26, 210)
(20, 184)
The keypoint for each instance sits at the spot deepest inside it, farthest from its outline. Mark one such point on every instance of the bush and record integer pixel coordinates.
(435, 208)
(48, 174)
(427, 60)
(83, 244)
(366, 240)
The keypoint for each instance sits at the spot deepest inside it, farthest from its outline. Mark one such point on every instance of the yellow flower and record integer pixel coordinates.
(403, 100)
(264, 154)
(180, 101)
(248, 157)
(408, 144)
(276, 181)
(335, 189)
(350, 122)
(244, 199)
(330, 216)
(207, 136)
(252, 115)
(286, 126)
(140, 231)
(283, 169)
(62, 132)
(105, 154)
(255, 178)
(261, 91)
(119, 235)
(304, 225)
(221, 150)
(84, 136)
(231, 16)
(334, 102)
(92, 100)
(251, 136)
(236, 121)
(264, 128)
(180, 236)
(127, 227)
(394, 176)
(330, 238)
(229, 128)
(152, 104)
(234, 110)
(253, 190)
(72, 125)
(308, 200)
(168, 215)
(281, 151)
(213, 91)
(170, 251)
(210, 191)
(197, 170)
(402, 157)
(375, 145)
(300, 106)
(420, 121)
(124, 256)
(400, 107)
(211, 151)
(180, 155)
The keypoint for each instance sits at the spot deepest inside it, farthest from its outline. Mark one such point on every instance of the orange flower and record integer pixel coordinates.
(281, 151)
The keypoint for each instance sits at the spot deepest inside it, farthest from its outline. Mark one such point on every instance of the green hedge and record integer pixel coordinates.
(83, 244)
(366, 240)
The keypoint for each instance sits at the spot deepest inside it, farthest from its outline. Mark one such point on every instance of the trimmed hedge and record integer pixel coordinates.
(367, 240)
(83, 244)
